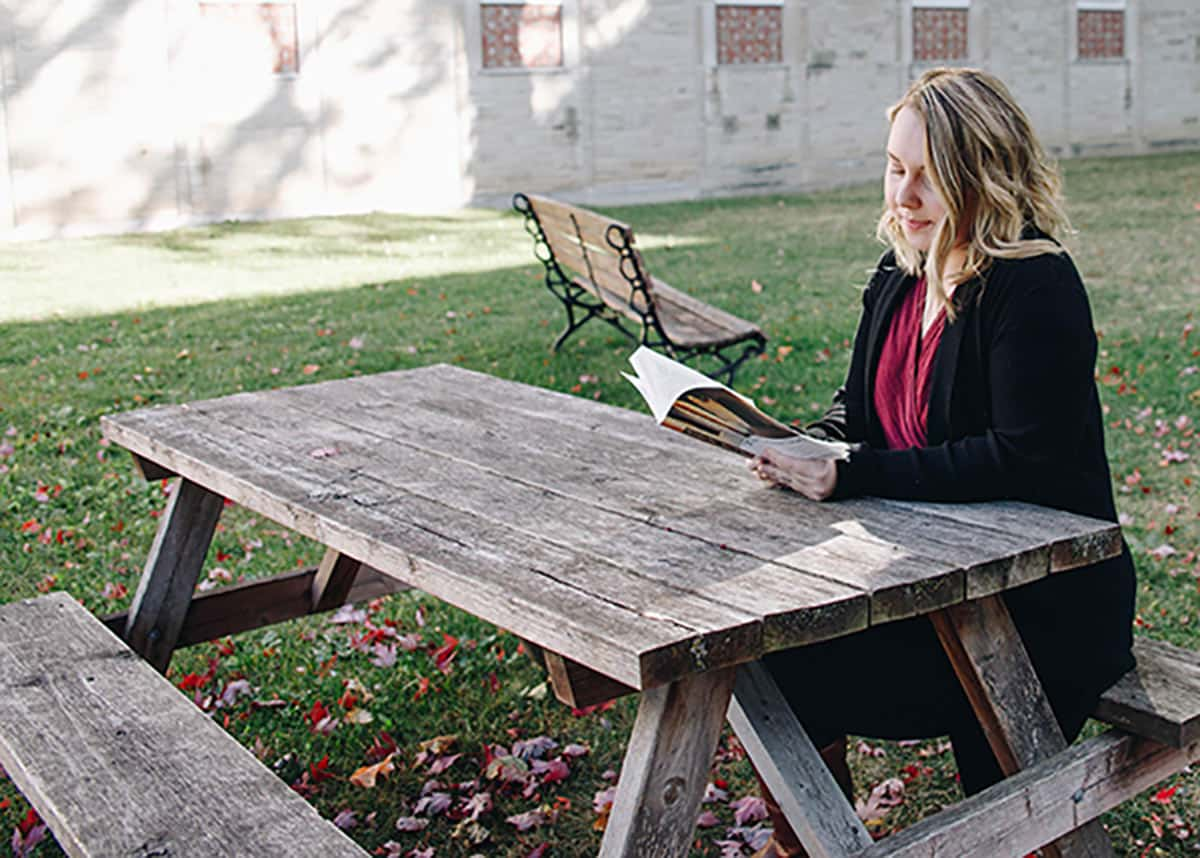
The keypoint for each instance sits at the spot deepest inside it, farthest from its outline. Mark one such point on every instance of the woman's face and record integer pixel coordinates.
(907, 189)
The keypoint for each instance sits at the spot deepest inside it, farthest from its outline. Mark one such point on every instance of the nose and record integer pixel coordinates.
(906, 194)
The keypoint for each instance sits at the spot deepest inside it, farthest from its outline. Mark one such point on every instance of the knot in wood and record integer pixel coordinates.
(672, 790)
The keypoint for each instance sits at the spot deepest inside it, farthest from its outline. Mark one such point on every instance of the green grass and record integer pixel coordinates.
(97, 325)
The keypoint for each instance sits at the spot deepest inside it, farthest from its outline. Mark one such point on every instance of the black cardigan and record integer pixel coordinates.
(1013, 414)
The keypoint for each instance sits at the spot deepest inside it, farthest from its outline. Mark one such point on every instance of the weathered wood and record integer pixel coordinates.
(172, 569)
(263, 602)
(333, 581)
(1074, 540)
(991, 663)
(666, 767)
(149, 470)
(1042, 803)
(497, 574)
(119, 763)
(1160, 698)
(580, 686)
(792, 768)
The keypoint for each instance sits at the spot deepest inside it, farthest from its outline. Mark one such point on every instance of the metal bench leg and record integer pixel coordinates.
(994, 669)
(666, 767)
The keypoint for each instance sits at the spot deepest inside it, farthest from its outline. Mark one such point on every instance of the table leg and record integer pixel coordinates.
(991, 663)
(172, 569)
(666, 767)
(792, 768)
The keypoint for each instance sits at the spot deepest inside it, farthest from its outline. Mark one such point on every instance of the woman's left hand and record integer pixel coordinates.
(813, 478)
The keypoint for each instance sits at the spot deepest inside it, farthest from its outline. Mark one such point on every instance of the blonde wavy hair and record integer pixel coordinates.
(991, 173)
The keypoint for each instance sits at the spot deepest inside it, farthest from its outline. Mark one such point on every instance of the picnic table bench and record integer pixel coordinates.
(595, 269)
(120, 764)
(639, 560)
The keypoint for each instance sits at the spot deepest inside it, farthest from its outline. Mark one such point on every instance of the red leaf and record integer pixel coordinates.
(1163, 796)
(422, 688)
(443, 655)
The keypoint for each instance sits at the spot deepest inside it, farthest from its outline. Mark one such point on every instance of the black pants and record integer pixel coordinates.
(894, 681)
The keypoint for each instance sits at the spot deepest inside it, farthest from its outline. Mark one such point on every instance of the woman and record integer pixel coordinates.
(971, 379)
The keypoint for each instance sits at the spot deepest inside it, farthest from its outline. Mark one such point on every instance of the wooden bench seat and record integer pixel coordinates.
(1160, 698)
(119, 763)
(595, 269)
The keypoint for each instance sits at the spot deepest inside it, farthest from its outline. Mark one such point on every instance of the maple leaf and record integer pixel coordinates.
(383, 746)
(602, 803)
(320, 721)
(385, 655)
(477, 805)
(345, 819)
(411, 823)
(539, 851)
(884, 796)
(531, 819)
(551, 772)
(233, 691)
(574, 750)
(1164, 796)
(347, 614)
(470, 831)
(506, 768)
(707, 819)
(409, 642)
(750, 808)
(29, 832)
(534, 748)
(433, 804)
(712, 793)
(443, 655)
(422, 688)
(730, 848)
(366, 775)
(440, 764)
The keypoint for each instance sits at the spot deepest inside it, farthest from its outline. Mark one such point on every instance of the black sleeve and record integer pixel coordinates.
(1040, 355)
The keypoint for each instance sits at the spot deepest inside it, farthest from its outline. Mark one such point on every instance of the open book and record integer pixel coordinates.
(687, 401)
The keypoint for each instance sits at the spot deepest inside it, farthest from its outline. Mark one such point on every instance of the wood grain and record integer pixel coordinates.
(993, 667)
(172, 570)
(262, 602)
(666, 767)
(792, 768)
(119, 763)
(334, 579)
(1160, 698)
(1020, 814)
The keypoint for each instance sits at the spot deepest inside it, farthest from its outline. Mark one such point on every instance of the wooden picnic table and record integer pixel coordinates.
(636, 559)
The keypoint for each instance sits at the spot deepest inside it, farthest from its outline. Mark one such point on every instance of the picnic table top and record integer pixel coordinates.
(586, 528)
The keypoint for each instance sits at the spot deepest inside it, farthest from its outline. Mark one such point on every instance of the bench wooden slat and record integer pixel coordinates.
(1041, 803)
(690, 322)
(119, 763)
(1160, 698)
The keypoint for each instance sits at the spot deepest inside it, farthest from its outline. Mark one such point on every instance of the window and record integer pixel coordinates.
(521, 35)
(939, 30)
(263, 34)
(749, 32)
(1101, 29)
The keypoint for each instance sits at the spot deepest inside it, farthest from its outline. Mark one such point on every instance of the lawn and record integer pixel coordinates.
(93, 326)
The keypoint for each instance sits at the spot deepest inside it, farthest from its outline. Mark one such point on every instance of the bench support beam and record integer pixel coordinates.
(172, 569)
(666, 767)
(792, 768)
(990, 661)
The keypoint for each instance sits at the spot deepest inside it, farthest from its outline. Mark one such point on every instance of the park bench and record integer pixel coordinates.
(594, 268)
(120, 764)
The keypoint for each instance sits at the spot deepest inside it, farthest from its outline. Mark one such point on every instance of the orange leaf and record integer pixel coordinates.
(365, 777)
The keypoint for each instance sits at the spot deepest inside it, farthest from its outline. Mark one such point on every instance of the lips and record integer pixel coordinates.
(916, 225)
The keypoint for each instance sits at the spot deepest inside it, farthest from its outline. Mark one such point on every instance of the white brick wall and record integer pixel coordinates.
(118, 115)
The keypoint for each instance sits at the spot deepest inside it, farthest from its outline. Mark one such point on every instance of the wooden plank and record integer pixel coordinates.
(703, 581)
(1041, 803)
(900, 582)
(172, 570)
(490, 571)
(150, 471)
(666, 767)
(1074, 540)
(1160, 698)
(990, 661)
(263, 602)
(333, 581)
(580, 686)
(792, 768)
(118, 762)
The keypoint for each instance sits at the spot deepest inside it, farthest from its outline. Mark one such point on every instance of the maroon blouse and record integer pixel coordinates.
(903, 375)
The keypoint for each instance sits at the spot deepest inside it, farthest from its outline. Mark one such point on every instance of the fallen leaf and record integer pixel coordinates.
(750, 808)
(411, 823)
(310, 368)
(884, 796)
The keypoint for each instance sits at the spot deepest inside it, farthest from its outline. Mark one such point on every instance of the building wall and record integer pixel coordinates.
(122, 114)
